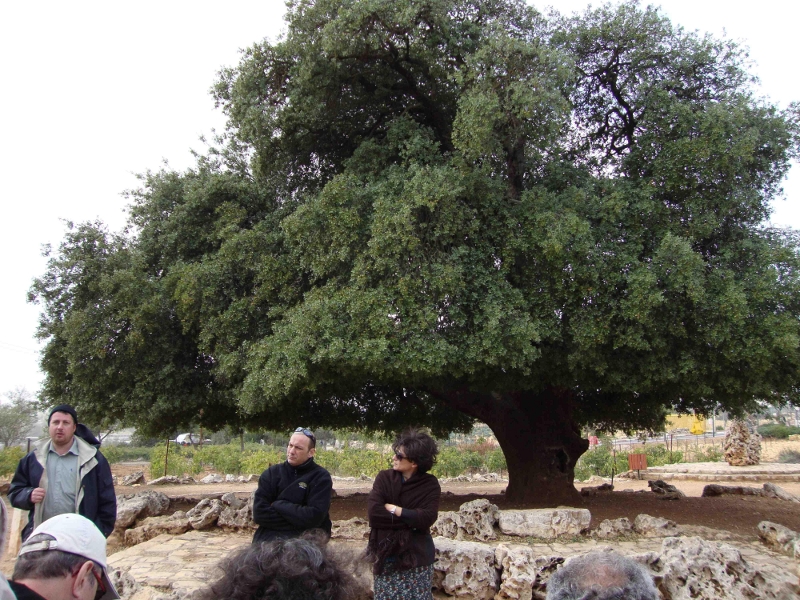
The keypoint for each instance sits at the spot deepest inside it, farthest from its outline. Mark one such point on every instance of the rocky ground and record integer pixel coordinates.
(738, 515)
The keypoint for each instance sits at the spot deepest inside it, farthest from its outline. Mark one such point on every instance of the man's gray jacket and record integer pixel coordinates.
(95, 498)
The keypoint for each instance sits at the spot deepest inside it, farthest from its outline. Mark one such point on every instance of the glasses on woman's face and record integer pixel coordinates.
(399, 456)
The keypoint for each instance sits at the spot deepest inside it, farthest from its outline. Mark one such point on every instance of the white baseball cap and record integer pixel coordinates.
(74, 534)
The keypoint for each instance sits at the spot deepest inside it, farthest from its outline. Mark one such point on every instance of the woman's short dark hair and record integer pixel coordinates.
(292, 569)
(418, 447)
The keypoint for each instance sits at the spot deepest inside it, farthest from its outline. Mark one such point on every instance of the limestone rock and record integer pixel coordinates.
(613, 528)
(475, 519)
(692, 568)
(592, 490)
(665, 490)
(139, 506)
(545, 523)
(236, 513)
(205, 513)
(151, 527)
(351, 529)
(653, 526)
(780, 538)
(773, 491)
(231, 518)
(741, 446)
(714, 489)
(518, 574)
(137, 477)
(123, 582)
(465, 569)
(166, 480)
(212, 478)
(233, 501)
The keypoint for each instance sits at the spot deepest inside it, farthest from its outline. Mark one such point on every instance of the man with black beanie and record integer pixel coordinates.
(64, 474)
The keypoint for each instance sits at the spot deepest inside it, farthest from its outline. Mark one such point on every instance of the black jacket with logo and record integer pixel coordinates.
(290, 500)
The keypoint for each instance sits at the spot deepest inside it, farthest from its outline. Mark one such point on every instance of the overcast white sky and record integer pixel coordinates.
(98, 91)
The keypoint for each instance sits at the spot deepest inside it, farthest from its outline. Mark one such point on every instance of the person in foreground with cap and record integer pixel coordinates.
(64, 474)
(293, 496)
(63, 559)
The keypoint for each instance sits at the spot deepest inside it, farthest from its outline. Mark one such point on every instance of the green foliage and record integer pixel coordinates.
(123, 453)
(710, 454)
(449, 463)
(789, 456)
(777, 431)
(225, 459)
(354, 462)
(179, 462)
(257, 461)
(432, 211)
(601, 461)
(9, 459)
(496, 461)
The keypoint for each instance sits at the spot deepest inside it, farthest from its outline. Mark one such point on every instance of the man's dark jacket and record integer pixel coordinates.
(96, 498)
(290, 500)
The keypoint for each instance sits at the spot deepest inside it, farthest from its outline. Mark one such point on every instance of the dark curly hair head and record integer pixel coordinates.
(292, 569)
(418, 447)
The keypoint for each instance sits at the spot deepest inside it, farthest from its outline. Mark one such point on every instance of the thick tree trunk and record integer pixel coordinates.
(540, 440)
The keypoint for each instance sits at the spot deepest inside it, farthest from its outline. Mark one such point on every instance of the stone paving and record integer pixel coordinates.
(180, 565)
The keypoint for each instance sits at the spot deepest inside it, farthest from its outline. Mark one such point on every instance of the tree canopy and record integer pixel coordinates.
(436, 210)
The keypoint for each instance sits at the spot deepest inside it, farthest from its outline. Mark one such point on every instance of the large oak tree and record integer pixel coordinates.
(429, 211)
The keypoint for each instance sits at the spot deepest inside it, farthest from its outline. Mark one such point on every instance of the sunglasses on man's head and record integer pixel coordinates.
(307, 433)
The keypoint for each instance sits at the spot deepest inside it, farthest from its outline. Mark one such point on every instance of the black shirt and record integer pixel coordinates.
(23, 592)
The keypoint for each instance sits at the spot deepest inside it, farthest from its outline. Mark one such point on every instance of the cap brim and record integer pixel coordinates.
(111, 591)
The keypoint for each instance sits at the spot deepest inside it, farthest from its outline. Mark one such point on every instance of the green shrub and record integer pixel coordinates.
(355, 462)
(789, 456)
(257, 461)
(777, 431)
(600, 461)
(9, 459)
(496, 461)
(330, 459)
(223, 459)
(123, 453)
(710, 454)
(659, 454)
(449, 463)
(179, 462)
(473, 460)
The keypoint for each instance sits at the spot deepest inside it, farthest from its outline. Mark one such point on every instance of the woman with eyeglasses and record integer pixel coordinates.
(402, 506)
